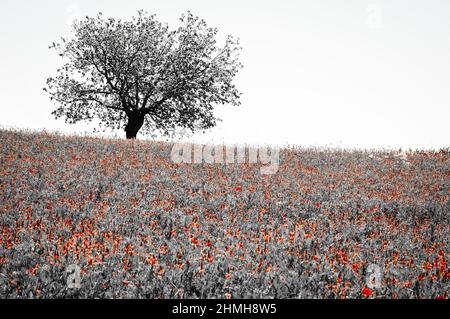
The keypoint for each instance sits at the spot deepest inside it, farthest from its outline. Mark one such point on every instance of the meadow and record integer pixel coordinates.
(140, 226)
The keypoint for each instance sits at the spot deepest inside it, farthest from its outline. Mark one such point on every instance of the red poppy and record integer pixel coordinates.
(355, 267)
(160, 271)
(208, 243)
(151, 260)
(317, 204)
(366, 292)
(238, 189)
(126, 282)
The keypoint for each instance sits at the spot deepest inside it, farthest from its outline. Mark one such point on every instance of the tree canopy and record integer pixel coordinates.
(141, 74)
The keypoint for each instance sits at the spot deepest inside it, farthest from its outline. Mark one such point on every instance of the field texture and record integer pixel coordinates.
(140, 226)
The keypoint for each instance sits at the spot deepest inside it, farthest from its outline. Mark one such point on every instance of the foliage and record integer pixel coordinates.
(139, 73)
(140, 226)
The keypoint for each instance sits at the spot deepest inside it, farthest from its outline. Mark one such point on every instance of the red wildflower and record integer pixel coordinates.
(355, 267)
(32, 270)
(317, 204)
(239, 189)
(160, 271)
(126, 282)
(194, 241)
(366, 292)
(151, 260)
(208, 243)
(407, 284)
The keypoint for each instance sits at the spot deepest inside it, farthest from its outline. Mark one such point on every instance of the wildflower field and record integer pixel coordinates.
(140, 226)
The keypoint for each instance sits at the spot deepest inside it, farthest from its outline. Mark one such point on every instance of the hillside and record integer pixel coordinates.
(140, 226)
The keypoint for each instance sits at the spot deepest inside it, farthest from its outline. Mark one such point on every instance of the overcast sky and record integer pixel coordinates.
(349, 73)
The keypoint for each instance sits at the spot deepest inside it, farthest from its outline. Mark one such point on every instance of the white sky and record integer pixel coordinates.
(349, 73)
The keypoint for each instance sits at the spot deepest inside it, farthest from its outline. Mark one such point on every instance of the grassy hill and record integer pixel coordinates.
(139, 225)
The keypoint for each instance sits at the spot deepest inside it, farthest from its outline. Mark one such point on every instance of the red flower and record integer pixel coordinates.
(407, 284)
(208, 243)
(355, 267)
(239, 189)
(366, 292)
(152, 260)
(317, 204)
(194, 241)
(160, 271)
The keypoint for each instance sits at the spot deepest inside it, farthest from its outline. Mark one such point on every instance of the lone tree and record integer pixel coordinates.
(140, 74)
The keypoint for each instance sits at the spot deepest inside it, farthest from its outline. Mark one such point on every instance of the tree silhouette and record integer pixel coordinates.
(139, 74)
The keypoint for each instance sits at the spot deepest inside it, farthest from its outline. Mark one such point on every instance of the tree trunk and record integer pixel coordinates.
(135, 122)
